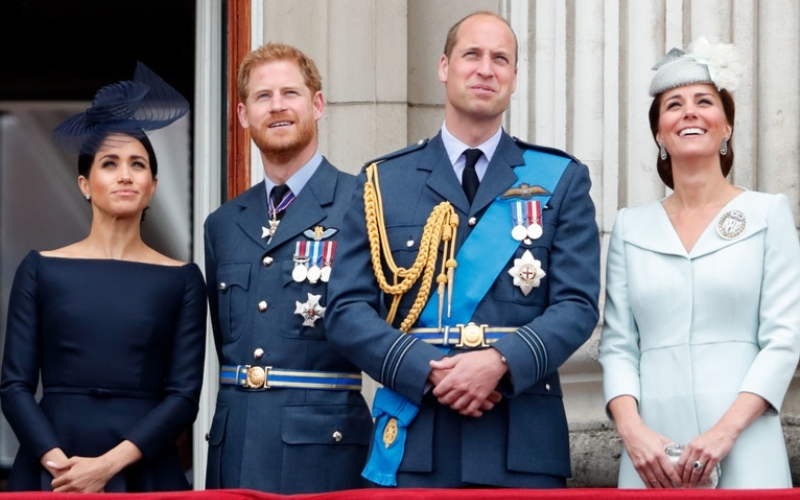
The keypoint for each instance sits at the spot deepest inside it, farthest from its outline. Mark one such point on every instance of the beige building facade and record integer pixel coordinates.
(583, 75)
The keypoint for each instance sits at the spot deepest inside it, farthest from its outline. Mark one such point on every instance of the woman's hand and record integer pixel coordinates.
(709, 448)
(91, 474)
(646, 450)
(54, 456)
(644, 446)
(83, 474)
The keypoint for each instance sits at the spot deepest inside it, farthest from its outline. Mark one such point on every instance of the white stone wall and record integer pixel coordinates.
(584, 73)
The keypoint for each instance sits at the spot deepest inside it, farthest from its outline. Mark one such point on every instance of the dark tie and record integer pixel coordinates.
(469, 179)
(277, 197)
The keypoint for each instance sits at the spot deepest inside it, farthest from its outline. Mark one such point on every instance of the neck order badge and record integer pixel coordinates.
(279, 198)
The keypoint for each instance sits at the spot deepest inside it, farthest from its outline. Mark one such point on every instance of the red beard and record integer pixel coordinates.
(280, 149)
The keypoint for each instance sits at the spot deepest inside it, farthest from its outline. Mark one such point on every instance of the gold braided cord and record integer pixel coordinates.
(440, 227)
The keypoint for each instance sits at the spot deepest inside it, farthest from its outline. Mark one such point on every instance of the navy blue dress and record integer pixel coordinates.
(120, 349)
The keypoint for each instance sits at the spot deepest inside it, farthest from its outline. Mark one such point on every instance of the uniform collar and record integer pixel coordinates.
(455, 151)
(300, 178)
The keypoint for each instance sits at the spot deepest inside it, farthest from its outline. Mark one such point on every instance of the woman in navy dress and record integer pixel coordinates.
(114, 329)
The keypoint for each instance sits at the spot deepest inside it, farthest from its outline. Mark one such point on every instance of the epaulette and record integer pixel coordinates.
(400, 152)
(546, 149)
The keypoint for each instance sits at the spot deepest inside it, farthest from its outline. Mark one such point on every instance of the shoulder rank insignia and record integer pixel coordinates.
(319, 233)
(400, 152)
(525, 191)
(545, 149)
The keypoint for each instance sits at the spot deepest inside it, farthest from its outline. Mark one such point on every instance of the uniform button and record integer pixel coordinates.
(223, 286)
(207, 436)
(267, 261)
(262, 306)
(258, 353)
(337, 436)
(547, 387)
(472, 221)
(410, 243)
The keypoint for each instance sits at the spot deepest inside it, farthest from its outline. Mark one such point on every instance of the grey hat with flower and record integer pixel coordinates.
(706, 62)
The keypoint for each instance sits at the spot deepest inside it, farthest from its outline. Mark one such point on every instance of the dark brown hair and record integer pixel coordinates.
(86, 159)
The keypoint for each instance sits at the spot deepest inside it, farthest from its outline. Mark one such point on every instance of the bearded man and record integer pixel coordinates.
(290, 417)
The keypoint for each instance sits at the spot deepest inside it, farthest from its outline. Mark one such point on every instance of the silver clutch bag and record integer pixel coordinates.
(674, 451)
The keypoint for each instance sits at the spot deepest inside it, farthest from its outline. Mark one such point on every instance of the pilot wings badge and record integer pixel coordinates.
(524, 191)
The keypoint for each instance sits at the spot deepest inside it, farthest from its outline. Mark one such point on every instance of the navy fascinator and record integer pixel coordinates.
(129, 107)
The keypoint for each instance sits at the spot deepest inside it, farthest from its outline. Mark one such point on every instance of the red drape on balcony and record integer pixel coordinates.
(444, 494)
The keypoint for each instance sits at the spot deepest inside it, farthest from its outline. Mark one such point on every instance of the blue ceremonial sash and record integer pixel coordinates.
(477, 270)
(387, 451)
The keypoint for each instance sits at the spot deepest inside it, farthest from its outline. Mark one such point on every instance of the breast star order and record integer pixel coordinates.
(527, 272)
(311, 311)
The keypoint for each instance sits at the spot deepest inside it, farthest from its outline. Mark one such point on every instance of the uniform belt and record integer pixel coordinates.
(462, 336)
(267, 377)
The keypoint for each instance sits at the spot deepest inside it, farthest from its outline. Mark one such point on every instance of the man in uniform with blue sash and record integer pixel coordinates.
(469, 273)
(290, 417)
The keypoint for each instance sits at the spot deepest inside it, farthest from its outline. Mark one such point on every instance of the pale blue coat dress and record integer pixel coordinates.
(685, 333)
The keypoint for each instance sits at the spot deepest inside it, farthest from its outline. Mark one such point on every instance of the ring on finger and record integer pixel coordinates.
(698, 465)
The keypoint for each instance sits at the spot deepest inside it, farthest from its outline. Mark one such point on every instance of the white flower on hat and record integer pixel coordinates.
(722, 60)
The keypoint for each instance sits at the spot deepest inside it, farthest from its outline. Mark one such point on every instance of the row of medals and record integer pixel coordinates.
(521, 212)
(525, 216)
(313, 273)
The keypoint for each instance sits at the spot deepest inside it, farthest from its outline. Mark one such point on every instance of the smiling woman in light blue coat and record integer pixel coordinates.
(702, 317)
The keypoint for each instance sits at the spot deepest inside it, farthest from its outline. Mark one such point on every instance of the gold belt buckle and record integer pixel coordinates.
(257, 377)
(472, 335)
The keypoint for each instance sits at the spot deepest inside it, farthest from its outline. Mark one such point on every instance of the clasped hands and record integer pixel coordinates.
(88, 474)
(694, 466)
(467, 382)
(80, 474)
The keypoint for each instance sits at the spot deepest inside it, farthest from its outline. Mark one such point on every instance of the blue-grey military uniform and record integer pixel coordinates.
(279, 439)
(523, 441)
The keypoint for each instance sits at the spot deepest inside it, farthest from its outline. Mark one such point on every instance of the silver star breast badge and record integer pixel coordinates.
(527, 272)
(311, 311)
(268, 233)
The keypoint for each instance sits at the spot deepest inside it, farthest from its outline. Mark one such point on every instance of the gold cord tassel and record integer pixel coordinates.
(440, 227)
(451, 265)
